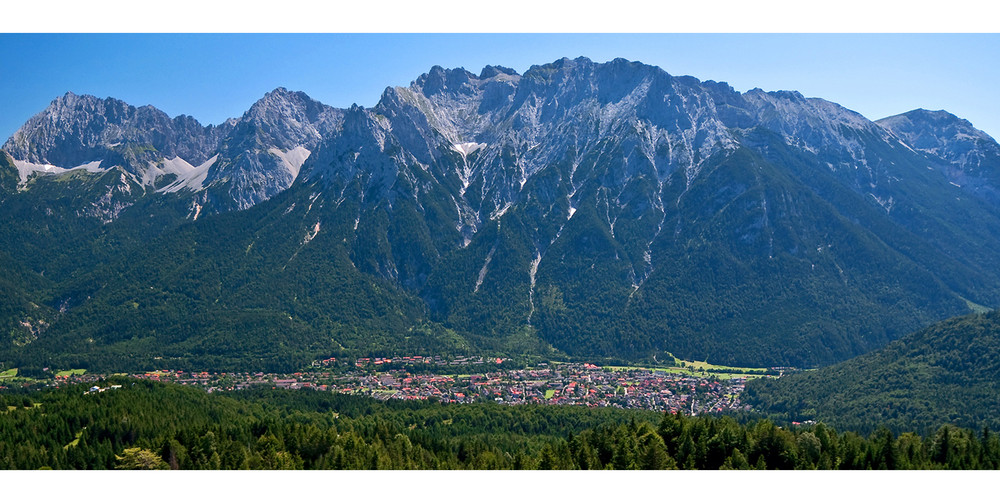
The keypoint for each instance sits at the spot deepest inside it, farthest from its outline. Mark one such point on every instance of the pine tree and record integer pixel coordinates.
(656, 457)
(941, 452)
(736, 461)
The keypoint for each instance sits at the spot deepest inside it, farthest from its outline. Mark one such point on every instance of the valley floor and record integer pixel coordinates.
(471, 380)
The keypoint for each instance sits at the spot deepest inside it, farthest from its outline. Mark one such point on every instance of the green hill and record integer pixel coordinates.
(947, 373)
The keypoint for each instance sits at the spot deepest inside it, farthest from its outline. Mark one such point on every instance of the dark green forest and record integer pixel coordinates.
(947, 373)
(147, 425)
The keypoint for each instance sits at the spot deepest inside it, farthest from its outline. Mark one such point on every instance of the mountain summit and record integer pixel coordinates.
(262, 155)
(969, 157)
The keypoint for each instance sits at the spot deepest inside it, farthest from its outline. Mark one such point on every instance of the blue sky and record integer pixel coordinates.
(216, 76)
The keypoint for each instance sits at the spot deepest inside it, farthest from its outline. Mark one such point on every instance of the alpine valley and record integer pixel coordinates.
(580, 210)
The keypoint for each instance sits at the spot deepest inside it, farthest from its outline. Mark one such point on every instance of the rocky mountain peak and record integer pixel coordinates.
(289, 119)
(502, 126)
(492, 71)
(73, 101)
(439, 80)
(836, 135)
(266, 148)
(928, 130)
(969, 157)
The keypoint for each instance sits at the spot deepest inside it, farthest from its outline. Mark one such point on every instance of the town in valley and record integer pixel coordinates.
(693, 390)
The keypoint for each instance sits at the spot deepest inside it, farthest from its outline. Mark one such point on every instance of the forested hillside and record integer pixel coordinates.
(947, 373)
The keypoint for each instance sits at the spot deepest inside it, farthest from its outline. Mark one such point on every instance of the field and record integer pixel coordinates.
(11, 374)
(700, 365)
(699, 368)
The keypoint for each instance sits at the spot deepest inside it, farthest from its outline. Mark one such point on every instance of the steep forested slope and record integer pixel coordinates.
(949, 372)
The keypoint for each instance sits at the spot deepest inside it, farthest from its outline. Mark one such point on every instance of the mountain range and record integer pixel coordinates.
(581, 209)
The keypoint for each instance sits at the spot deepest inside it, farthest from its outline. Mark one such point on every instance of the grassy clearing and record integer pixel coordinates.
(34, 405)
(6, 374)
(711, 366)
(75, 441)
(71, 372)
(549, 393)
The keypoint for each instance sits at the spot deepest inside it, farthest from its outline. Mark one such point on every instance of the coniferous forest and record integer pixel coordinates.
(147, 425)
(946, 373)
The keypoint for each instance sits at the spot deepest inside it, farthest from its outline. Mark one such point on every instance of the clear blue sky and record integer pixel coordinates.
(213, 77)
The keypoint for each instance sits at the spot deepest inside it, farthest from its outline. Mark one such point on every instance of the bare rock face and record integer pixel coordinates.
(969, 157)
(484, 138)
